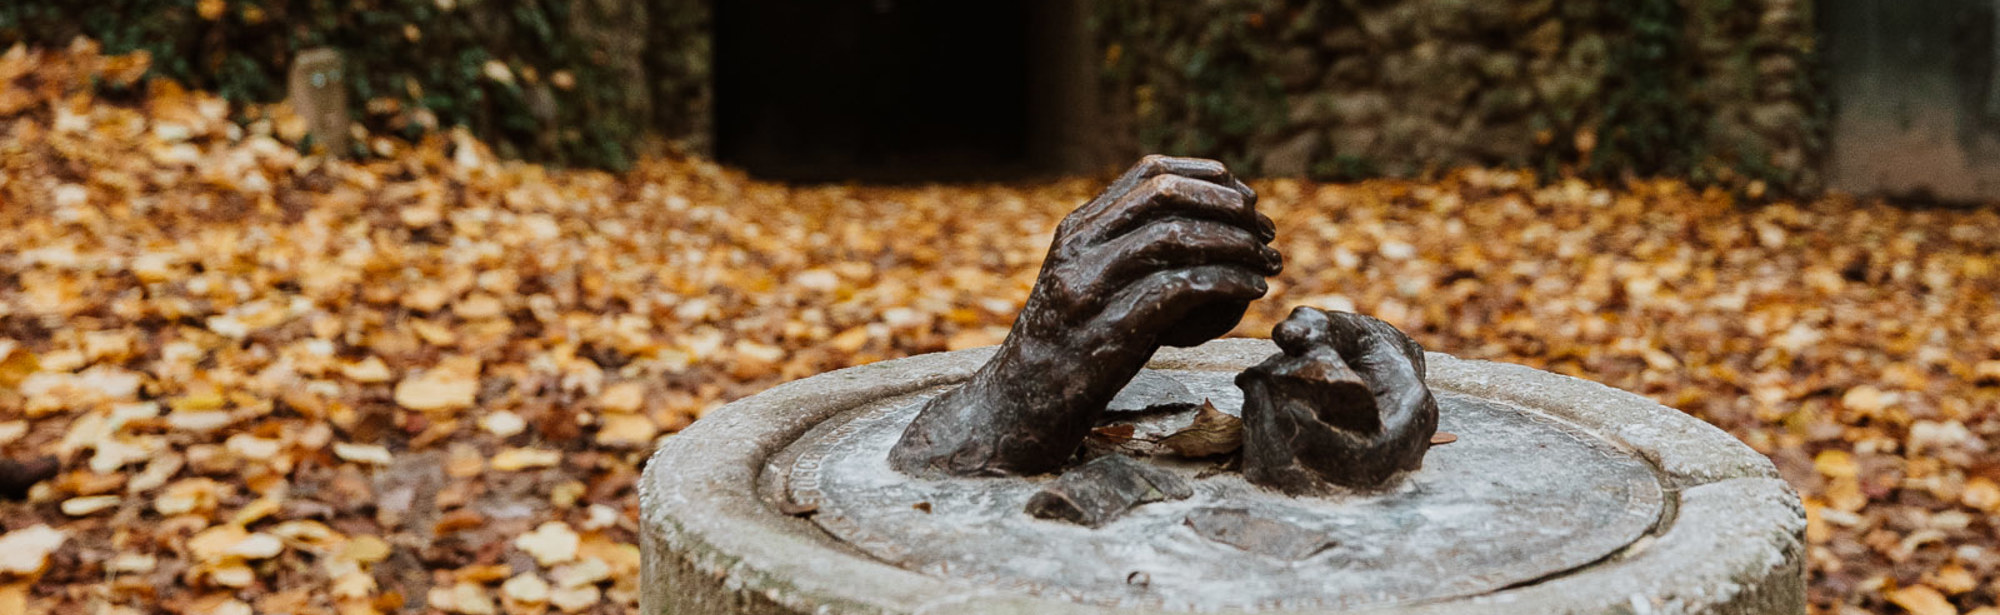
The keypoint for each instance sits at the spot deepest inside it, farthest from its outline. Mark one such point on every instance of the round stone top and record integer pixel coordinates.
(1559, 495)
(1519, 496)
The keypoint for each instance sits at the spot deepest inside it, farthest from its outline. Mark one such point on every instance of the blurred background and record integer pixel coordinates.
(1790, 96)
(376, 306)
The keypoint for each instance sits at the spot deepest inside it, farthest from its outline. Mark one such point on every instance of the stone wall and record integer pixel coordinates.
(1714, 90)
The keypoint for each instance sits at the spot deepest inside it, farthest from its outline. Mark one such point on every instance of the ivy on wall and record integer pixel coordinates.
(1717, 91)
(1194, 73)
(555, 80)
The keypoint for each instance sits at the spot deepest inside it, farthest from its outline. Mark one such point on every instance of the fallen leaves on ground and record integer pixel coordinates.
(427, 380)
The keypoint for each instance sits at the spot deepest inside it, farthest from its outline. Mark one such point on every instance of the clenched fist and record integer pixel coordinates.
(1170, 254)
(1344, 404)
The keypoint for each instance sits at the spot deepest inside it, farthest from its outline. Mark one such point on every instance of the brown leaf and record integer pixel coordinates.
(1213, 432)
(1922, 600)
(1112, 435)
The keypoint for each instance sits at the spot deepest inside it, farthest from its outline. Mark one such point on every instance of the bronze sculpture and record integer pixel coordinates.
(1344, 404)
(1172, 253)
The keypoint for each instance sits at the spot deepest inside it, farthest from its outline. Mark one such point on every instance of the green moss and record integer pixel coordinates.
(1647, 123)
(1633, 87)
(1215, 55)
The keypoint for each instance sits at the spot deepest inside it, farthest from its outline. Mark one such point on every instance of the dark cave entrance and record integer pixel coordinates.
(896, 90)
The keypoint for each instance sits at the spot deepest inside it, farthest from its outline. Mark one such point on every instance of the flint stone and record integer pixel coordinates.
(712, 543)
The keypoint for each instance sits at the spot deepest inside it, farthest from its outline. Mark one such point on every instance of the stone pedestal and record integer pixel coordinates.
(1560, 496)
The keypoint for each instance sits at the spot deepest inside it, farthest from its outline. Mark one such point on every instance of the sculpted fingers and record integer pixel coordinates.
(1360, 336)
(1162, 299)
(1206, 171)
(1179, 243)
(1304, 329)
(1389, 361)
(1155, 164)
(1175, 196)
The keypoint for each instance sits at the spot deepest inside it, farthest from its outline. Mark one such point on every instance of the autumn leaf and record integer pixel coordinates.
(1112, 435)
(1212, 432)
(1922, 600)
(453, 385)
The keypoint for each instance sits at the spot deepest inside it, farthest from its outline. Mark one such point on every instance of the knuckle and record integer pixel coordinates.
(1183, 229)
(1062, 290)
(1172, 231)
(1166, 186)
(1220, 196)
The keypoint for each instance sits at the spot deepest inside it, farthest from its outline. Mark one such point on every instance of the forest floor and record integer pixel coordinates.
(278, 383)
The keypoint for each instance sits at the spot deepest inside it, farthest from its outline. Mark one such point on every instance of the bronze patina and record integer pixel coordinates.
(1171, 254)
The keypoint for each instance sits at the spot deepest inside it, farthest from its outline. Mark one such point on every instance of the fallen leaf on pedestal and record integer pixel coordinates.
(1213, 432)
(1113, 435)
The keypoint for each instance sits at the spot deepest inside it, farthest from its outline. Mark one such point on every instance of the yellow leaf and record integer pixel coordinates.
(1835, 463)
(1981, 494)
(550, 543)
(622, 397)
(438, 390)
(516, 459)
(1922, 600)
(626, 430)
(369, 370)
(367, 549)
(25, 551)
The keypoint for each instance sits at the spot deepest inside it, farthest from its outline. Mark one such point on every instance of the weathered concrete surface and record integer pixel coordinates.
(712, 543)
(1518, 497)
